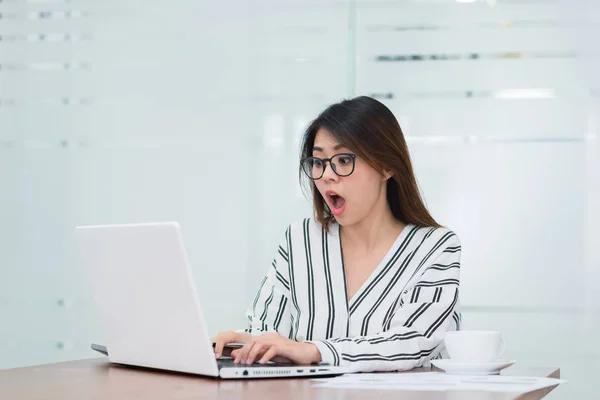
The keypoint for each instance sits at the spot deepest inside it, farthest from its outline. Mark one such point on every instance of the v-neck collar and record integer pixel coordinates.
(384, 261)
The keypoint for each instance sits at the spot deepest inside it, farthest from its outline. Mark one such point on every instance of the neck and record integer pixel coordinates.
(375, 228)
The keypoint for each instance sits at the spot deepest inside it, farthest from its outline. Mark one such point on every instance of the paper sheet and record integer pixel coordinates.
(438, 381)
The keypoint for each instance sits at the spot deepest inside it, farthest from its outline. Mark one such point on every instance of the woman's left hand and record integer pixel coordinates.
(272, 346)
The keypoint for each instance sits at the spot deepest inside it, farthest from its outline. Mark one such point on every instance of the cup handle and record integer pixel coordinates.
(502, 348)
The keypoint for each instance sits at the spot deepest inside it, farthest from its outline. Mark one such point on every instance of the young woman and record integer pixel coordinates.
(372, 281)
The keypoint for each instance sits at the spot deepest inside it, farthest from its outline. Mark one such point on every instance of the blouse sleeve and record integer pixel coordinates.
(270, 309)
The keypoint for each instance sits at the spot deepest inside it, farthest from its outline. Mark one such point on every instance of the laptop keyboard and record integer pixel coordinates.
(228, 363)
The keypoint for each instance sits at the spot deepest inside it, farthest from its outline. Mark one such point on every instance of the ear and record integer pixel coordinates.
(387, 174)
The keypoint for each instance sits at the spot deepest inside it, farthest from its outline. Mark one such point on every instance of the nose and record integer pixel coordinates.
(329, 175)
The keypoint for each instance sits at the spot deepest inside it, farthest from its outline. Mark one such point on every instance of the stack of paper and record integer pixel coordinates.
(438, 381)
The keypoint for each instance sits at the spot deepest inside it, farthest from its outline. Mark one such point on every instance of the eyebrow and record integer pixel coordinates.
(336, 147)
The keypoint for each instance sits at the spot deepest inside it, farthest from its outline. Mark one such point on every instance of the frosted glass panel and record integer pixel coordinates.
(499, 102)
(124, 111)
(514, 226)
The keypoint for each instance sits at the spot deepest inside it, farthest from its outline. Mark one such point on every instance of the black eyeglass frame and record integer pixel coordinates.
(328, 160)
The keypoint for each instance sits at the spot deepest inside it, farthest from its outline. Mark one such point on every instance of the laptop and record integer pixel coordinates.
(149, 309)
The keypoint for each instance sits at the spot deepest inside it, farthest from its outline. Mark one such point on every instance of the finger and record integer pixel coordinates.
(246, 352)
(243, 353)
(218, 347)
(269, 354)
(257, 351)
(220, 340)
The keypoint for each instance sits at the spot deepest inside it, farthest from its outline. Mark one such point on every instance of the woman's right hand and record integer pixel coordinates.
(223, 338)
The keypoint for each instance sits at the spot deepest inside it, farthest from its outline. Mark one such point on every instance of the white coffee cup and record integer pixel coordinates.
(474, 346)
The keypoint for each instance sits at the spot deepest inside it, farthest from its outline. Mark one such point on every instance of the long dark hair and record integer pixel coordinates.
(368, 128)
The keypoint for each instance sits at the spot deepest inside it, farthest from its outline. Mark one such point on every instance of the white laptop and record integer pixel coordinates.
(148, 305)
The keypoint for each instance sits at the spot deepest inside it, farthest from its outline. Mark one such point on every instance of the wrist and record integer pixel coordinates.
(313, 353)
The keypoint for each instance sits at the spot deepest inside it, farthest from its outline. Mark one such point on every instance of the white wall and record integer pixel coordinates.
(192, 111)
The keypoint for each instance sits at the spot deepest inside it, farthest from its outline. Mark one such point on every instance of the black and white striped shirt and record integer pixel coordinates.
(396, 321)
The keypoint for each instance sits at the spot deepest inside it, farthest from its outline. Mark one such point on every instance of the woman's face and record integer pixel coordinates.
(350, 198)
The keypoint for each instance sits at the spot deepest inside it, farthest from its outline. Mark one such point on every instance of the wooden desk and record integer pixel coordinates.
(97, 379)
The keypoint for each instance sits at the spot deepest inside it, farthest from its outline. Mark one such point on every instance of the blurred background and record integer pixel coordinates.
(120, 111)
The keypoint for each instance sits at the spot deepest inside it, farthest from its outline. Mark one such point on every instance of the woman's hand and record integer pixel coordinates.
(271, 346)
(223, 338)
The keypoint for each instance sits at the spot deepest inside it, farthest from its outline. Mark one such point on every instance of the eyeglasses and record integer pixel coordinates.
(342, 164)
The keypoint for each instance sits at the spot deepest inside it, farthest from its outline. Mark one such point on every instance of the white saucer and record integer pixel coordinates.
(463, 368)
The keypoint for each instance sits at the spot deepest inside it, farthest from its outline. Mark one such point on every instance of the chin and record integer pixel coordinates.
(339, 220)
(343, 220)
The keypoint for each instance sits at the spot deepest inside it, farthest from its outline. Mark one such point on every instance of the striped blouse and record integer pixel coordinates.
(397, 319)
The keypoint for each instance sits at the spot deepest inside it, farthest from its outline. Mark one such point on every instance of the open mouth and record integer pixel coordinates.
(336, 202)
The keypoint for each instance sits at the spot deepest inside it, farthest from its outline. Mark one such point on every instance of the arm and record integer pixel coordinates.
(417, 327)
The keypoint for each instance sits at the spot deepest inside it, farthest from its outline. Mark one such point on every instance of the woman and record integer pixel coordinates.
(372, 281)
